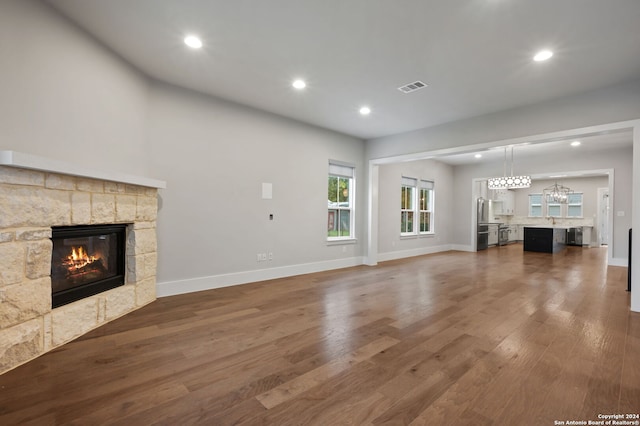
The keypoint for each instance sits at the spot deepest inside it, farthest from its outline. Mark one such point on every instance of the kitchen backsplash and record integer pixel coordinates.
(526, 220)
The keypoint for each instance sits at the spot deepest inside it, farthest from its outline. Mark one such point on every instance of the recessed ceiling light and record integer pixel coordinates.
(193, 42)
(299, 84)
(365, 110)
(478, 155)
(543, 55)
(575, 143)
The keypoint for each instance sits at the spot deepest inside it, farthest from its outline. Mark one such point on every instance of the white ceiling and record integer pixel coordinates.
(474, 54)
(596, 143)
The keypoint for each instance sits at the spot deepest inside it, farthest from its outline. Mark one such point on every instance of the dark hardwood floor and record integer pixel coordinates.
(498, 337)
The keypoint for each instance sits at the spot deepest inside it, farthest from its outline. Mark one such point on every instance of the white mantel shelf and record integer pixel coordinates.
(35, 162)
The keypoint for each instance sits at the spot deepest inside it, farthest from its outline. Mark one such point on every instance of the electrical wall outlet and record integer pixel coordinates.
(261, 257)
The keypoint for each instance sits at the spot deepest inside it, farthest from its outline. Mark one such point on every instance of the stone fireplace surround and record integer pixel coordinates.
(36, 194)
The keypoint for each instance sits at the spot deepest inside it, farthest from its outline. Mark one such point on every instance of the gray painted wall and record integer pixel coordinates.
(64, 96)
(588, 186)
(389, 240)
(215, 155)
(619, 159)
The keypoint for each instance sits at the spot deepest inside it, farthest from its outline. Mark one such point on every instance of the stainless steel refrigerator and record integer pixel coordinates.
(483, 210)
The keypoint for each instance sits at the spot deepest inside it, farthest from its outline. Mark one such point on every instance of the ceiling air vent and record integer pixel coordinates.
(412, 87)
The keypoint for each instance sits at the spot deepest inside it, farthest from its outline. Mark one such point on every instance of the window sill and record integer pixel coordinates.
(420, 235)
(408, 236)
(342, 241)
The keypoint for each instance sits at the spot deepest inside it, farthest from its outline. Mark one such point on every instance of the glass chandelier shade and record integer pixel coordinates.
(509, 182)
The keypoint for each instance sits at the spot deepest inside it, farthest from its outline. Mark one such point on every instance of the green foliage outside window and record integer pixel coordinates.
(339, 214)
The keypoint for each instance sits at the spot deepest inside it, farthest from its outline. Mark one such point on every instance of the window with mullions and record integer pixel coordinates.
(341, 196)
(407, 206)
(425, 204)
(574, 204)
(535, 205)
(554, 209)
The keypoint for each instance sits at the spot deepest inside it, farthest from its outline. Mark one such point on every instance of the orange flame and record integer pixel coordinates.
(78, 258)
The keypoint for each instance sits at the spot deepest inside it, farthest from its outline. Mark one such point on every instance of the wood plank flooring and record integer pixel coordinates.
(491, 338)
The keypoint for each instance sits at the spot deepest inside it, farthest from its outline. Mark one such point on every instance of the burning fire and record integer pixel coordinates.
(78, 258)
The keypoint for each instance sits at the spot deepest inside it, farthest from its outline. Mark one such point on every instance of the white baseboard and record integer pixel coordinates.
(462, 247)
(619, 261)
(171, 288)
(401, 254)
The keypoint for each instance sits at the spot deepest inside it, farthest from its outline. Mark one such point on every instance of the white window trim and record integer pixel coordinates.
(581, 204)
(339, 241)
(560, 215)
(340, 169)
(548, 204)
(417, 184)
(541, 205)
(429, 186)
(413, 184)
(564, 209)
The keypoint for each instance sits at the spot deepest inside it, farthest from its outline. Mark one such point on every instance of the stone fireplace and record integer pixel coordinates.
(39, 197)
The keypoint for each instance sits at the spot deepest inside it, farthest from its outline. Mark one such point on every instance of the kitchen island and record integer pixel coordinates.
(545, 239)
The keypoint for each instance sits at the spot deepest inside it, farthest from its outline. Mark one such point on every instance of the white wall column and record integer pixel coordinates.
(372, 217)
(635, 223)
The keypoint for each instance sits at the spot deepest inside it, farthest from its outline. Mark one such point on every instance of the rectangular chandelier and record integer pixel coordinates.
(509, 182)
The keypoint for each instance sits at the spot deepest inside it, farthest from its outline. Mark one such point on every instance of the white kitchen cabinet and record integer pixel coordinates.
(586, 235)
(494, 194)
(503, 201)
(493, 235)
(495, 209)
(507, 197)
(513, 233)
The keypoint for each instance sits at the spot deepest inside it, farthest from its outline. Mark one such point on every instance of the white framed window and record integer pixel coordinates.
(416, 206)
(341, 201)
(574, 204)
(554, 209)
(408, 206)
(535, 205)
(425, 206)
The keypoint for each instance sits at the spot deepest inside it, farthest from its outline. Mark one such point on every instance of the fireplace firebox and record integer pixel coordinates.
(86, 260)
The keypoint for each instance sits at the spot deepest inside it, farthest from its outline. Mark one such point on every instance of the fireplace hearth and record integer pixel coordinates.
(50, 298)
(86, 260)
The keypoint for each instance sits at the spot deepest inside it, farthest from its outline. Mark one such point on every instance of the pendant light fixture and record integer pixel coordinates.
(557, 193)
(509, 182)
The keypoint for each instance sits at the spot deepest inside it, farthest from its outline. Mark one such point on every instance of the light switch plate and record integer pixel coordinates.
(267, 191)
